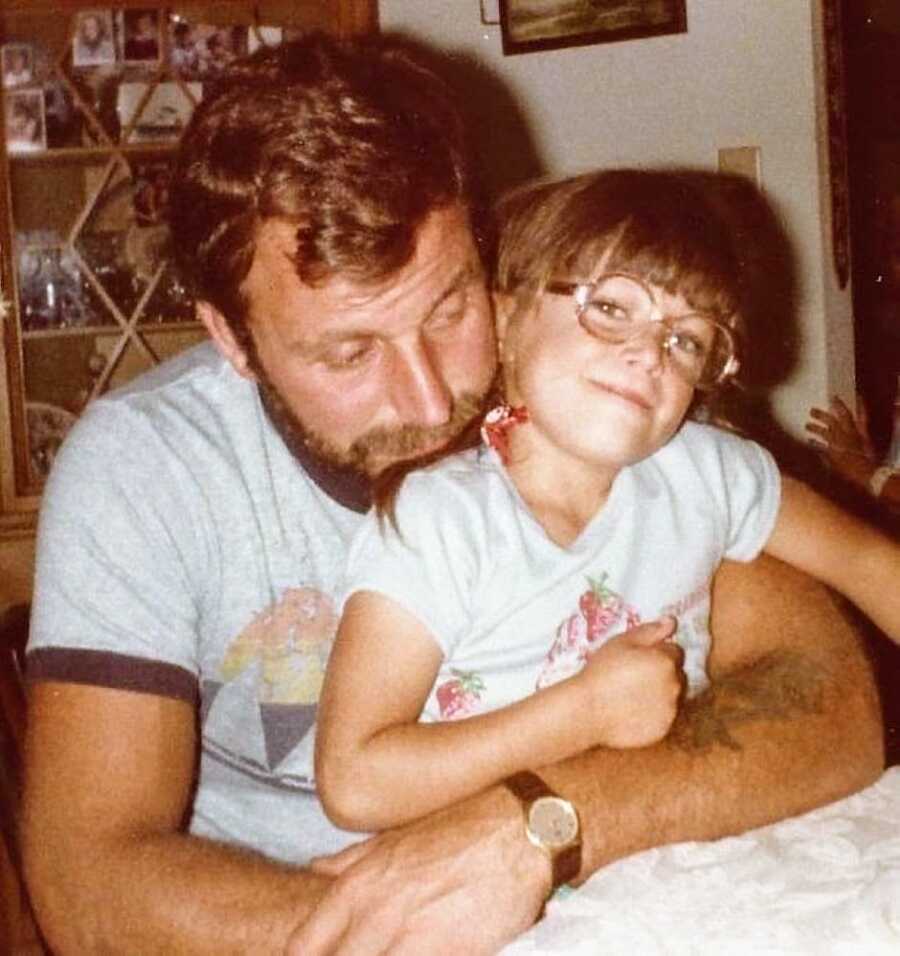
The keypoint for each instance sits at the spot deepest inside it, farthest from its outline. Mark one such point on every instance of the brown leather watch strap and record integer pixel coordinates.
(528, 786)
(566, 865)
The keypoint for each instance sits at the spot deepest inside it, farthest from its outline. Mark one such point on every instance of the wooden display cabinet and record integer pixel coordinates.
(94, 97)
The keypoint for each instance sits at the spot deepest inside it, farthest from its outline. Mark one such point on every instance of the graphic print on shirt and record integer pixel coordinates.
(274, 669)
(460, 696)
(601, 614)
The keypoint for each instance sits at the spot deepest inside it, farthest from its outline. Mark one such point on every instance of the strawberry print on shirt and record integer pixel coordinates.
(461, 695)
(600, 613)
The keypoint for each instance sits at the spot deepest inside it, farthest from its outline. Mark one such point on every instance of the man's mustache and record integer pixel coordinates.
(410, 440)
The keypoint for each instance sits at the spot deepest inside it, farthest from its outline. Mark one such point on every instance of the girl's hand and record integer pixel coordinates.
(632, 684)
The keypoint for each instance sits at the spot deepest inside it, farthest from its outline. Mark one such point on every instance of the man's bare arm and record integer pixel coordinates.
(790, 722)
(109, 777)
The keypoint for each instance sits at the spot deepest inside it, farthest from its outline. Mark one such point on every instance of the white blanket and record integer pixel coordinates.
(823, 884)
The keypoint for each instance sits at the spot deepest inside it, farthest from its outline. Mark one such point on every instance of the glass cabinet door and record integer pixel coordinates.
(94, 100)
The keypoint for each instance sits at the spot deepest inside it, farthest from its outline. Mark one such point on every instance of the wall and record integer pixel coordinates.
(745, 74)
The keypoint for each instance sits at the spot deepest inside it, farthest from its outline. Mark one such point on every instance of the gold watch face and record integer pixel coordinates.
(552, 822)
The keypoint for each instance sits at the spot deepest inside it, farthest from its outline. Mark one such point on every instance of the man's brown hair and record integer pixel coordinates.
(352, 141)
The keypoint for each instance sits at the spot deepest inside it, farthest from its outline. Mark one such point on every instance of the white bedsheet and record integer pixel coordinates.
(823, 884)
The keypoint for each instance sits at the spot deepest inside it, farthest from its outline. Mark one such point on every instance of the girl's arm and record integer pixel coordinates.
(853, 557)
(377, 767)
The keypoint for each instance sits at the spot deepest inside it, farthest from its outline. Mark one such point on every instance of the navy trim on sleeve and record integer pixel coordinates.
(107, 669)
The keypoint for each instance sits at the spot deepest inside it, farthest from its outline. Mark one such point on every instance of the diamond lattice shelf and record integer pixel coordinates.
(94, 99)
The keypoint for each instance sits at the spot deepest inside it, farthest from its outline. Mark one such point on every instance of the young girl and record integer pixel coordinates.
(495, 591)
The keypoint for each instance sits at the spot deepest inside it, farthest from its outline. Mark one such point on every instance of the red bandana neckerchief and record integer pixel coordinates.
(497, 425)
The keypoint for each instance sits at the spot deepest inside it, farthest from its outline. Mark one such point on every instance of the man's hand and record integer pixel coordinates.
(631, 686)
(464, 880)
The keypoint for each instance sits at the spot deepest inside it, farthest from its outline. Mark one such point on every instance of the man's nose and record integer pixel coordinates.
(420, 394)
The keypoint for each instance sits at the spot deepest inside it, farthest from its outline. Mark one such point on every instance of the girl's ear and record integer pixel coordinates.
(220, 332)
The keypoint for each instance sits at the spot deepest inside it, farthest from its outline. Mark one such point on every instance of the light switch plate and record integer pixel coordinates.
(490, 11)
(742, 161)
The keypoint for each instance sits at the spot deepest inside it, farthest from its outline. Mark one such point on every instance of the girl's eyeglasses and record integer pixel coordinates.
(615, 307)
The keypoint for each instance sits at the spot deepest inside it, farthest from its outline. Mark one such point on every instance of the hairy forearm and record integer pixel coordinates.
(780, 731)
(772, 742)
(168, 893)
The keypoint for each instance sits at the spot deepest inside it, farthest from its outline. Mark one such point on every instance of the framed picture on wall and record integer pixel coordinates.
(529, 25)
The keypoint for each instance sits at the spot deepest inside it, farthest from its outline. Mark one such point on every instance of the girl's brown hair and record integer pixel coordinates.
(653, 224)
(354, 142)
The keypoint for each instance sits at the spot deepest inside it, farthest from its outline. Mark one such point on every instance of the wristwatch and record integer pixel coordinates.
(551, 823)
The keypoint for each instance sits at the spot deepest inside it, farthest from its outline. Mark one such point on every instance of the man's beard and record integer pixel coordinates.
(376, 449)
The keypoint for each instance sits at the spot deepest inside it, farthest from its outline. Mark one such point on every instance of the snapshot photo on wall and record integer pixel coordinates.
(93, 42)
(140, 33)
(203, 49)
(17, 64)
(25, 125)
